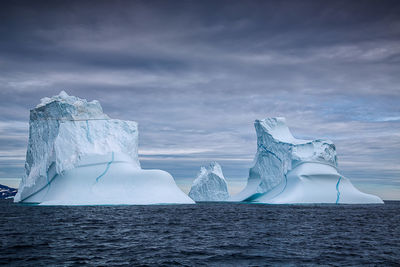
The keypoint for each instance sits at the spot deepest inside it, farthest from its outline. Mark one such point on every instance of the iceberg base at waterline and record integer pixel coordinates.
(313, 183)
(109, 179)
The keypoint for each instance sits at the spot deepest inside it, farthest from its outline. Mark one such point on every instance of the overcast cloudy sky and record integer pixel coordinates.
(196, 74)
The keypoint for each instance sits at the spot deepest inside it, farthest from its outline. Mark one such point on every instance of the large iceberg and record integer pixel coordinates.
(210, 184)
(290, 170)
(77, 155)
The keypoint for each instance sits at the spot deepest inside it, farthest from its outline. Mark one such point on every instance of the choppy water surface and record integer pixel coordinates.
(203, 234)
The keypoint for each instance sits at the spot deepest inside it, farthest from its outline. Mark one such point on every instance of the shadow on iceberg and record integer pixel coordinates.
(77, 155)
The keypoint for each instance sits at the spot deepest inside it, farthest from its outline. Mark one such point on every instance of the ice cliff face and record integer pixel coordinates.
(71, 137)
(283, 163)
(278, 152)
(64, 128)
(210, 184)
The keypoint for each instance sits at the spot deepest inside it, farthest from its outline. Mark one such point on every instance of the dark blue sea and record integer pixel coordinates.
(214, 234)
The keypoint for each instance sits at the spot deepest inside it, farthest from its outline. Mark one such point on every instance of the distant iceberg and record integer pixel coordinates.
(7, 192)
(210, 184)
(290, 170)
(77, 155)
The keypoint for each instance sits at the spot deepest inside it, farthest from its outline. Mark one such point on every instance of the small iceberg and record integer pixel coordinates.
(210, 184)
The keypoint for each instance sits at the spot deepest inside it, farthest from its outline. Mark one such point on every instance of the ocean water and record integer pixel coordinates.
(215, 234)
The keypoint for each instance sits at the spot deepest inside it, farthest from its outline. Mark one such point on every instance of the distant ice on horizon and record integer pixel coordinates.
(210, 184)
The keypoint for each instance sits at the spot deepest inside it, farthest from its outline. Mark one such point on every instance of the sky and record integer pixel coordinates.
(196, 74)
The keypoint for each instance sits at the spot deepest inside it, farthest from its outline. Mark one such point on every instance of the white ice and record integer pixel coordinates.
(290, 170)
(210, 184)
(77, 155)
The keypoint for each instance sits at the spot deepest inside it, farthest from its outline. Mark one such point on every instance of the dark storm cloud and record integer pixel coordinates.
(195, 75)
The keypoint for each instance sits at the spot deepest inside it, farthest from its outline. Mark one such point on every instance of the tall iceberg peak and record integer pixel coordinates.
(73, 146)
(278, 152)
(283, 161)
(210, 184)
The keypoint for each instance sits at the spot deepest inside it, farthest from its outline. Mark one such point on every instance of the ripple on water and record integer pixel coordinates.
(214, 234)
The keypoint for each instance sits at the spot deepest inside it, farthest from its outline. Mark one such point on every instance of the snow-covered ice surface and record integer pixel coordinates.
(290, 170)
(210, 184)
(77, 155)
